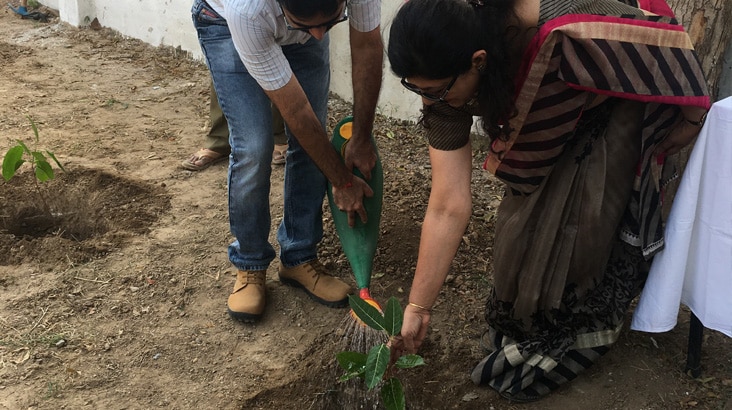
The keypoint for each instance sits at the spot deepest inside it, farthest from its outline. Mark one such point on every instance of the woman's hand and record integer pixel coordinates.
(414, 330)
(680, 136)
(684, 132)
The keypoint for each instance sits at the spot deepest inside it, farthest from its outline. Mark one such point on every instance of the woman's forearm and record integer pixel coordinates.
(441, 236)
(447, 216)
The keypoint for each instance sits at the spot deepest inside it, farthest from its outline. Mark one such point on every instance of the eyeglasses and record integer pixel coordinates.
(327, 25)
(432, 97)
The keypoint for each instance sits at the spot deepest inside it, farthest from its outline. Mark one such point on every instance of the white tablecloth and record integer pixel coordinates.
(695, 267)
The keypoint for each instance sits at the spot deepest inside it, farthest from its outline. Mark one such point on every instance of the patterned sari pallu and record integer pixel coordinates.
(582, 216)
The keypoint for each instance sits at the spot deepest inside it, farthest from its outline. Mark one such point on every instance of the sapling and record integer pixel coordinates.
(373, 366)
(20, 153)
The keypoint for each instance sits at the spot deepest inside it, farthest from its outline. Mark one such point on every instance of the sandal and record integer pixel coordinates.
(202, 159)
(279, 155)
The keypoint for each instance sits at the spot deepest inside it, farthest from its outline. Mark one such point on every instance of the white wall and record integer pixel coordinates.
(168, 22)
(394, 101)
(50, 3)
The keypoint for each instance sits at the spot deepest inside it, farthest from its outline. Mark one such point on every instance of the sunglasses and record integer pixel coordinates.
(432, 97)
(327, 25)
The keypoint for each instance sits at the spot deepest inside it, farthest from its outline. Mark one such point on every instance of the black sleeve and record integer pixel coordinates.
(447, 128)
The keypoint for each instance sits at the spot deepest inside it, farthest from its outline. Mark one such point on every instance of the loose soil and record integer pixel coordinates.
(116, 299)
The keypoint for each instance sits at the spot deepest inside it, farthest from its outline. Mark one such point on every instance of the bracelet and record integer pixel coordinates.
(419, 306)
(699, 123)
(347, 184)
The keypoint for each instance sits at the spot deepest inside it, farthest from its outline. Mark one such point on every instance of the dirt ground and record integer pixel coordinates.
(118, 300)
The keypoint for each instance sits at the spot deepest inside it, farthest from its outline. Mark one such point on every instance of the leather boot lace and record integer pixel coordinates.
(251, 278)
(254, 279)
(317, 269)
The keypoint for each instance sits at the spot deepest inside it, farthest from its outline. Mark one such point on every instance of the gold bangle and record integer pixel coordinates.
(419, 306)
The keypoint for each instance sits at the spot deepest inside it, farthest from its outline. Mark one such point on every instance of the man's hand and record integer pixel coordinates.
(305, 126)
(349, 199)
(361, 154)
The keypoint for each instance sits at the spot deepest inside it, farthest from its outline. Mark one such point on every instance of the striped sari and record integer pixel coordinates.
(582, 216)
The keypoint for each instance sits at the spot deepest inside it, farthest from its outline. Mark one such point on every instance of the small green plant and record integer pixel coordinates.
(112, 101)
(19, 154)
(372, 367)
(53, 390)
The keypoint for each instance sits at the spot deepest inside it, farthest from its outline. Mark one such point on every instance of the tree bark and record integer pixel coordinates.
(708, 23)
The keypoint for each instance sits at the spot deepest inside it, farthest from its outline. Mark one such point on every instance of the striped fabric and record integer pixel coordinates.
(561, 343)
(550, 9)
(573, 58)
(520, 379)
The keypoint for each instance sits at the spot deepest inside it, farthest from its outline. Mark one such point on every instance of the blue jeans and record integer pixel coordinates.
(247, 110)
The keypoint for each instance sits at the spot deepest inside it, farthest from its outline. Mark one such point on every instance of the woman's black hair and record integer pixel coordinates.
(436, 39)
(306, 9)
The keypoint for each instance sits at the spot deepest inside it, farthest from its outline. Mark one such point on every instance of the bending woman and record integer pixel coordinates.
(582, 101)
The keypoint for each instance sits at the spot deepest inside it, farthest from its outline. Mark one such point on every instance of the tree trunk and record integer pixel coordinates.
(709, 25)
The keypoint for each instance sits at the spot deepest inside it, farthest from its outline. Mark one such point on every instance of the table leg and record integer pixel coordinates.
(693, 356)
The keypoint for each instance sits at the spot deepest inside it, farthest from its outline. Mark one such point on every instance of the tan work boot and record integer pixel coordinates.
(320, 286)
(246, 302)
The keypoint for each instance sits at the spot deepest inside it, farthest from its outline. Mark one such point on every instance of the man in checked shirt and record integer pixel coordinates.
(276, 51)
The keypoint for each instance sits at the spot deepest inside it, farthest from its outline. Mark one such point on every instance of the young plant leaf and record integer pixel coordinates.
(367, 313)
(376, 364)
(350, 375)
(392, 395)
(44, 172)
(393, 317)
(35, 128)
(408, 361)
(50, 154)
(38, 156)
(353, 363)
(351, 360)
(25, 147)
(12, 161)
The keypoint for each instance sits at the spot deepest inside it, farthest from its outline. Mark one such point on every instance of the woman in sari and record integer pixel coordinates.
(582, 100)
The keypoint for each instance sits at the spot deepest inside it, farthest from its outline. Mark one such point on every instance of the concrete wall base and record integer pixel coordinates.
(79, 13)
